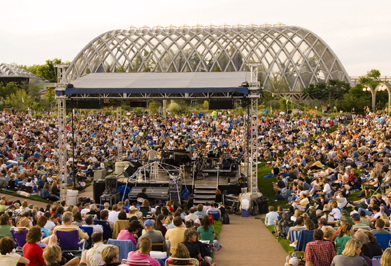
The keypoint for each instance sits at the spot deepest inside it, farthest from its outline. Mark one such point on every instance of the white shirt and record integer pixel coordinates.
(327, 188)
(94, 255)
(336, 213)
(84, 212)
(113, 216)
(49, 225)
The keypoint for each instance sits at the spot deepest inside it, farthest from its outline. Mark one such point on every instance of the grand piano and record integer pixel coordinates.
(159, 193)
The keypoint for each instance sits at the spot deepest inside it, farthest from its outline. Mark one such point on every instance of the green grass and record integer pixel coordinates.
(217, 226)
(283, 242)
(34, 197)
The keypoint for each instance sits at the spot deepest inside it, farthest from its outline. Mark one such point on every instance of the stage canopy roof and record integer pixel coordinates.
(227, 83)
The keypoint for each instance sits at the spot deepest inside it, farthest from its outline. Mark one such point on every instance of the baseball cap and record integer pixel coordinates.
(355, 216)
(148, 223)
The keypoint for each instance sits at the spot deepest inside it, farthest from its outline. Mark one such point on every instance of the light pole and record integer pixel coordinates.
(380, 87)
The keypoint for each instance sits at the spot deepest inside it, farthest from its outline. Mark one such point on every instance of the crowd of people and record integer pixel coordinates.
(316, 178)
(29, 154)
(182, 234)
(315, 170)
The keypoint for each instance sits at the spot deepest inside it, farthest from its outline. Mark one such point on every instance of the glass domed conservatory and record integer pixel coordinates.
(290, 57)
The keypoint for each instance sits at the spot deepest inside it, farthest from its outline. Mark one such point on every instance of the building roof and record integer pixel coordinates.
(290, 57)
(196, 82)
(11, 71)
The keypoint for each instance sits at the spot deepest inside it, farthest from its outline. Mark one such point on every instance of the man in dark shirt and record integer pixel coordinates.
(142, 195)
(279, 185)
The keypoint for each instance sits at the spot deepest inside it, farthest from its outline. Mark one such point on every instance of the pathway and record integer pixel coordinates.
(247, 241)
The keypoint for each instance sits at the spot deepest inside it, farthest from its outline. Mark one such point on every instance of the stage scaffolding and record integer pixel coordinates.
(213, 85)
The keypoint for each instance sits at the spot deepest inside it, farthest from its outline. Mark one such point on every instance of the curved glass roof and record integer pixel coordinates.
(11, 71)
(291, 57)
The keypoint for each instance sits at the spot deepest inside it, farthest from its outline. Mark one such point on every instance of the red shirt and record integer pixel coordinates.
(320, 253)
(33, 252)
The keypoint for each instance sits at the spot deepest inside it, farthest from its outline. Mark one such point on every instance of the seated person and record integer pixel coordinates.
(301, 204)
(110, 255)
(67, 226)
(282, 224)
(145, 247)
(271, 217)
(299, 226)
(151, 234)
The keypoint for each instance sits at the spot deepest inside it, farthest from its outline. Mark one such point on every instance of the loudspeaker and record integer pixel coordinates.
(223, 104)
(289, 111)
(138, 104)
(129, 171)
(98, 188)
(90, 104)
(132, 168)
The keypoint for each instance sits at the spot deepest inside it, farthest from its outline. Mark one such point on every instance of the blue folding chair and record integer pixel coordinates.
(383, 240)
(125, 246)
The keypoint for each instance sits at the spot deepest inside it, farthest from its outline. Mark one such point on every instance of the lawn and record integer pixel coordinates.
(283, 242)
(266, 188)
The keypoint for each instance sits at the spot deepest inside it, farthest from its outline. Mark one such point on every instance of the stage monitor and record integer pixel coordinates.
(84, 104)
(138, 104)
(222, 104)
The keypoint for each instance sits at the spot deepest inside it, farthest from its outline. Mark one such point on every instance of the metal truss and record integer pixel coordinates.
(158, 96)
(62, 131)
(290, 56)
(254, 95)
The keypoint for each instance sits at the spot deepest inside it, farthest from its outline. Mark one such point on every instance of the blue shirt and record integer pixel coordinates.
(271, 217)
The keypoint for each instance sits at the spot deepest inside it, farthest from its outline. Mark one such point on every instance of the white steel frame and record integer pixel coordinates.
(289, 55)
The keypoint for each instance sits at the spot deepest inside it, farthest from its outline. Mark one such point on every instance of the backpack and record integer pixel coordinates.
(225, 218)
(211, 219)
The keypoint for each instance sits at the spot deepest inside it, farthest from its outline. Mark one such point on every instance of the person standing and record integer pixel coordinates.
(319, 252)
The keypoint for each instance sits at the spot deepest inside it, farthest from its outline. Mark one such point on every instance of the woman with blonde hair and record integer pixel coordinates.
(110, 255)
(296, 215)
(386, 258)
(168, 223)
(52, 255)
(350, 255)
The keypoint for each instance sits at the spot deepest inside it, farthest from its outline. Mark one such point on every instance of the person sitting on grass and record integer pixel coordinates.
(271, 217)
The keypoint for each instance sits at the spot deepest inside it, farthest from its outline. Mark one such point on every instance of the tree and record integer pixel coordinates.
(7, 90)
(18, 100)
(333, 89)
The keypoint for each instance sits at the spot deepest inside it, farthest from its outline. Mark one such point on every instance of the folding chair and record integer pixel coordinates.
(88, 230)
(293, 235)
(19, 237)
(69, 240)
(144, 211)
(158, 247)
(125, 246)
(158, 210)
(376, 261)
(304, 237)
(106, 228)
(383, 240)
(136, 262)
(191, 261)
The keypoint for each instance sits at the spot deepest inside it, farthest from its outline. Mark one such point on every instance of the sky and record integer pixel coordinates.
(31, 32)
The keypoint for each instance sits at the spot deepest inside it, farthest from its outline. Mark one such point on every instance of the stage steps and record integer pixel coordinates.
(203, 194)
